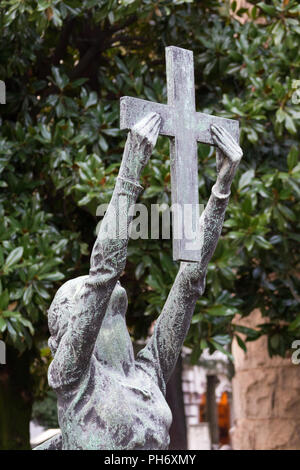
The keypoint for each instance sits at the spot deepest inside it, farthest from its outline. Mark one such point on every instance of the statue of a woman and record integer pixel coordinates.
(107, 398)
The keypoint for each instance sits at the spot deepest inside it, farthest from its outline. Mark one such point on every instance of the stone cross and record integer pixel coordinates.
(186, 127)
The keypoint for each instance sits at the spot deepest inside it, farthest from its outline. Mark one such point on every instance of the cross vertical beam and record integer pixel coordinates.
(185, 127)
(183, 152)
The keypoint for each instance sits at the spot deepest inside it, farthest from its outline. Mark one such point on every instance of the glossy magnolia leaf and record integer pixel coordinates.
(290, 124)
(241, 343)
(221, 310)
(246, 178)
(3, 325)
(220, 348)
(293, 157)
(295, 324)
(56, 276)
(222, 339)
(261, 241)
(27, 296)
(14, 256)
(4, 299)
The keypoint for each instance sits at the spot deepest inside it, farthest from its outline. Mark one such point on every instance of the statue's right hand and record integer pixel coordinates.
(146, 131)
(140, 143)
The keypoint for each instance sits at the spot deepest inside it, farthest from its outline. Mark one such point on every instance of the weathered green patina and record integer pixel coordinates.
(185, 127)
(107, 398)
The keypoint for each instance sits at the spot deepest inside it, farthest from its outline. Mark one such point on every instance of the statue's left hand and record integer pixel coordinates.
(139, 146)
(229, 155)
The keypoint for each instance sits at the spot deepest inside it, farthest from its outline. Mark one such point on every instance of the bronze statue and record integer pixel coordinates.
(107, 398)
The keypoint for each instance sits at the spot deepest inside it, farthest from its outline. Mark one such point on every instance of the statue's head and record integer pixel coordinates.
(64, 306)
(61, 310)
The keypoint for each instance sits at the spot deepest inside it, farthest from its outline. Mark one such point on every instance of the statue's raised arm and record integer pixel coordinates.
(160, 355)
(107, 399)
(78, 309)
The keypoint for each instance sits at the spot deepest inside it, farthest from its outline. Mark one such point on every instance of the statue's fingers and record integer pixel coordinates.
(221, 131)
(142, 125)
(214, 130)
(223, 147)
(216, 138)
(219, 142)
(217, 130)
(234, 149)
(219, 136)
(229, 146)
(225, 142)
(156, 125)
(152, 123)
(151, 137)
(153, 131)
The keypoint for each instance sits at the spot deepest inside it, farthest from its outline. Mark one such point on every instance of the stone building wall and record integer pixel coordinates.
(266, 397)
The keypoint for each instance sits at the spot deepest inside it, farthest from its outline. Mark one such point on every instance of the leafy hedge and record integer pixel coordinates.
(66, 64)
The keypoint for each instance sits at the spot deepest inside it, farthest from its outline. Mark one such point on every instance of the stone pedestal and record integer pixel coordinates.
(266, 397)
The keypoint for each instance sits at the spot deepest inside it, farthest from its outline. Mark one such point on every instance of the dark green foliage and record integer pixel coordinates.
(66, 64)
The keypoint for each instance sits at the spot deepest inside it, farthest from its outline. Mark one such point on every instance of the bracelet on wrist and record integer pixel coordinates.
(127, 180)
(219, 195)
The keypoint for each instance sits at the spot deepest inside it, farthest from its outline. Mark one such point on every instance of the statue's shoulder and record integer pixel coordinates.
(148, 364)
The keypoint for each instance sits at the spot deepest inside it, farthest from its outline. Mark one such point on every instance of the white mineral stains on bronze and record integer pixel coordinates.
(107, 399)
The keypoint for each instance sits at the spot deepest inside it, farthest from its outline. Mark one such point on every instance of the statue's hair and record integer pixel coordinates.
(62, 307)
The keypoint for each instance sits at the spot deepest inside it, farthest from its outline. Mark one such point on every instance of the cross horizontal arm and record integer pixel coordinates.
(134, 109)
(202, 125)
